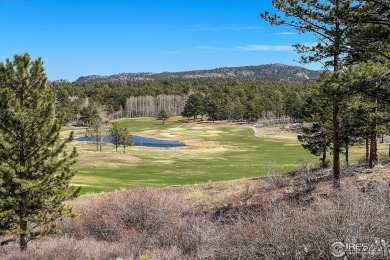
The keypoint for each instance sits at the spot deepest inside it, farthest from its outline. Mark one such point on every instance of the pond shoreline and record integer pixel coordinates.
(140, 141)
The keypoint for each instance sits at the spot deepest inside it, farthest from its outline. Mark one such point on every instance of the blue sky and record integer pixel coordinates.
(80, 37)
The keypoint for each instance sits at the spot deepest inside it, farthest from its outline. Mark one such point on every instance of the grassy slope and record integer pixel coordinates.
(215, 152)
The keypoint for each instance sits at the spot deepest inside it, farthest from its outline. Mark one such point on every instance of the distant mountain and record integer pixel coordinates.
(269, 71)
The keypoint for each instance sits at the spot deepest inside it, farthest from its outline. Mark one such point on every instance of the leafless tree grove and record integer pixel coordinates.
(149, 106)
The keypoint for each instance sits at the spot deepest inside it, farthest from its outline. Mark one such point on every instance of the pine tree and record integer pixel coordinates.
(35, 171)
(330, 22)
(89, 115)
(125, 138)
(115, 135)
(370, 39)
(371, 80)
(194, 106)
(162, 115)
(253, 110)
(317, 111)
(316, 141)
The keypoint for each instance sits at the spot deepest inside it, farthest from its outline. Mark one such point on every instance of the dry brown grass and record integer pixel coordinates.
(91, 157)
(297, 216)
(281, 133)
(213, 194)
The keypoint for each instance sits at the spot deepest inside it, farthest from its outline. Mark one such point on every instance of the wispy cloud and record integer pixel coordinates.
(286, 33)
(247, 48)
(232, 28)
(206, 48)
(171, 52)
(224, 28)
(266, 48)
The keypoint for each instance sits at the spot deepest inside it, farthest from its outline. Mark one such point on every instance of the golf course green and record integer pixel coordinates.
(213, 152)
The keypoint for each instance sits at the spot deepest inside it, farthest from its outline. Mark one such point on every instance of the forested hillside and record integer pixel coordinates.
(268, 71)
(216, 98)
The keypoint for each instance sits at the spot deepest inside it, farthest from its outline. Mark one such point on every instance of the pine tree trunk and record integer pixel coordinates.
(373, 149)
(376, 148)
(336, 145)
(371, 160)
(347, 141)
(324, 158)
(23, 195)
(336, 110)
(23, 223)
(367, 148)
(347, 151)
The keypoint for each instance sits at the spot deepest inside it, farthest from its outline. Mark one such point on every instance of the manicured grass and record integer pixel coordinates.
(214, 152)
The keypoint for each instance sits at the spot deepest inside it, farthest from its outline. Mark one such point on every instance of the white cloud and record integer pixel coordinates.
(266, 48)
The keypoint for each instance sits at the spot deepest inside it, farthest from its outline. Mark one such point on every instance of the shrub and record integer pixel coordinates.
(70, 249)
(293, 231)
(146, 218)
(276, 181)
(112, 215)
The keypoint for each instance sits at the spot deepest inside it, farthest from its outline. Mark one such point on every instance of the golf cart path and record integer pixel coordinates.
(256, 131)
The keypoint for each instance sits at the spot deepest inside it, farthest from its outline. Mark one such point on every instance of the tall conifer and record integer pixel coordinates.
(35, 171)
(329, 21)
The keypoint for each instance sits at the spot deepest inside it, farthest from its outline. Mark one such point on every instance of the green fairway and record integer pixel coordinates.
(214, 152)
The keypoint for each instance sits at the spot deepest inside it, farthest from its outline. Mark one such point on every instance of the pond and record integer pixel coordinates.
(141, 141)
